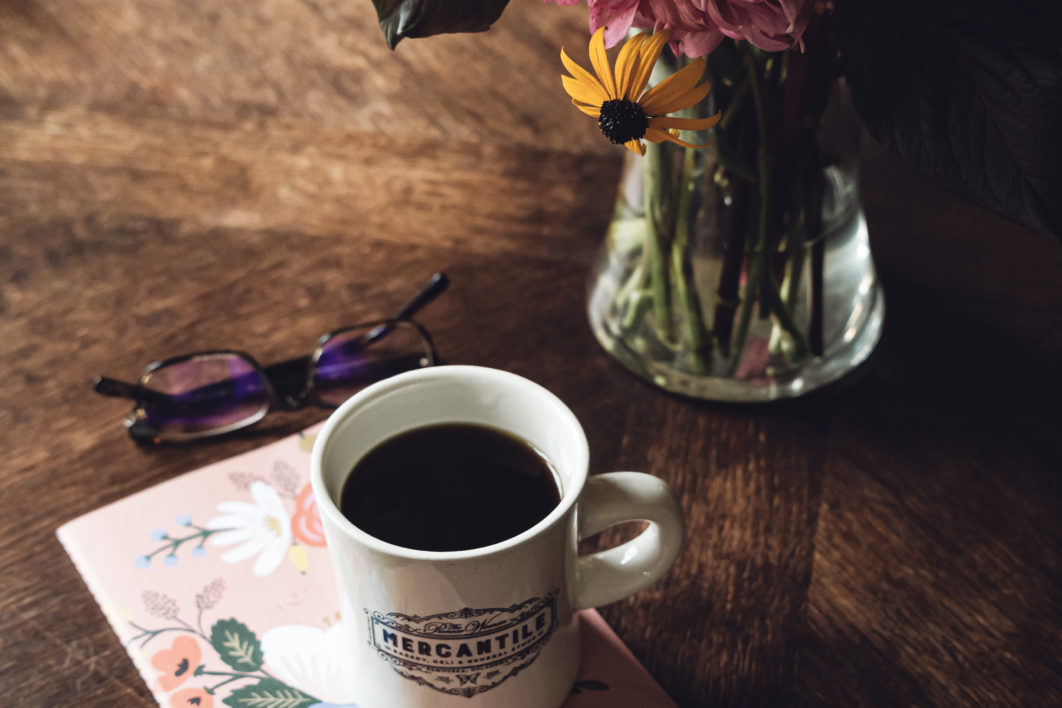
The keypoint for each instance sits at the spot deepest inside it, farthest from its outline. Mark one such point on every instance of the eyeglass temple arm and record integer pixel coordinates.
(293, 368)
(284, 374)
(106, 386)
(432, 290)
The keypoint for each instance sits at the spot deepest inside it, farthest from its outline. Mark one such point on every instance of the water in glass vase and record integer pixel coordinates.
(688, 295)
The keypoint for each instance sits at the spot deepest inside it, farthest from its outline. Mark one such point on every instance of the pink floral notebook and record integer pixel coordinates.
(219, 585)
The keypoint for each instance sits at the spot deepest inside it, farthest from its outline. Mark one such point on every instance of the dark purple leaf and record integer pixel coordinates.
(424, 18)
(968, 92)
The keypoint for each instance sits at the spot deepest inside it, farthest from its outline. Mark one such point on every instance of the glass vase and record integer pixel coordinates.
(742, 271)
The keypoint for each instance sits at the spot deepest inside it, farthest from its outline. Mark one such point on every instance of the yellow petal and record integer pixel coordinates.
(593, 111)
(684, 123)
(306, 441)
(580, 74)
(650, 53)
(599, 59)
(666, 95)
(690, 98)
(635, 146)
(656, 135)
(298, 557)
(582, 92)
(626, 64)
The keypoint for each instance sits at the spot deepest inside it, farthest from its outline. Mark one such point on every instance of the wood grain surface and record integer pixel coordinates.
(178, 175)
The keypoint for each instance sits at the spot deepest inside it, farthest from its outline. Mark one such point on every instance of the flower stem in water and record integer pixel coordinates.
(695, 335)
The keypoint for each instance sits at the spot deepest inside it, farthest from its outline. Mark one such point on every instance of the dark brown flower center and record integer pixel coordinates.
(622, 120)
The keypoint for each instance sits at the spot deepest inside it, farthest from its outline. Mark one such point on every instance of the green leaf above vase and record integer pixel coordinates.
(424, 18)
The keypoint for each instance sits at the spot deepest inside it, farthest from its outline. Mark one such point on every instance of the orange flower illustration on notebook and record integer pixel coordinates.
(306, 523)
(177, 662)
(192, 698)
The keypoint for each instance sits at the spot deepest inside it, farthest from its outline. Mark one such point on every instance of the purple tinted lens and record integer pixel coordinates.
(355, 358)
(206, 394)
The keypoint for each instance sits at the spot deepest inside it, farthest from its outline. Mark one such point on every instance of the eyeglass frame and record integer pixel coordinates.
(139, 429)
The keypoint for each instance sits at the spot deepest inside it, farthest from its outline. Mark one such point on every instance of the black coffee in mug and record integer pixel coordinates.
(449, 487)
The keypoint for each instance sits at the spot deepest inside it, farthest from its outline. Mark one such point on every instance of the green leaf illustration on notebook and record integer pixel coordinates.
(236, 645)
(269, 693)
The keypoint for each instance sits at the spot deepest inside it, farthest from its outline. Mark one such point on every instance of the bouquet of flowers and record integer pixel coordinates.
(969, 93)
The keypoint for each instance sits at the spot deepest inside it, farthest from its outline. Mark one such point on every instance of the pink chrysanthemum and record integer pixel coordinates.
(698, 26)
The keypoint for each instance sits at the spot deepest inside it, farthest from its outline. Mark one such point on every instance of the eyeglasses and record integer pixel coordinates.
(215, 392)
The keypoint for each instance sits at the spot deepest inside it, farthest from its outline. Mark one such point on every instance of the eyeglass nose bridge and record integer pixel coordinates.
(291, 402)
(290, 382)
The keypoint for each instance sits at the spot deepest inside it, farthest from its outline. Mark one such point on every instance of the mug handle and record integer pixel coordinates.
(610, 499)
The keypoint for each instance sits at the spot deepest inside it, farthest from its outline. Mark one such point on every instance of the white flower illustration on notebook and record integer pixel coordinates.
(261, 529)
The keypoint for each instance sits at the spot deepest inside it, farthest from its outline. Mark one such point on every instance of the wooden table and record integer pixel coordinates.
(179, 176)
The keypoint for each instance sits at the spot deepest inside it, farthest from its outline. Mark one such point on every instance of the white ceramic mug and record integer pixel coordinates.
(491, 627)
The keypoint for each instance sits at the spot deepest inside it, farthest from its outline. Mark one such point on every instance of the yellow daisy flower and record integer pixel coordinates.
(625, 111)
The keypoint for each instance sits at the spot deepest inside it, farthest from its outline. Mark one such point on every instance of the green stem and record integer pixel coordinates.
(790, 291)
(806, 203)
(231, 676)
(175, 543)
(735, 106)
(760, 285)
(631, 293)
(149, 634)
(234, 674)
(745, 319)
(757, 254)
(218, 685)
(816, 325)
(814, 225)
(773, 302)
(733, 225)
(694, 332)
(794, 269)
(658, 208)
(763, 169)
